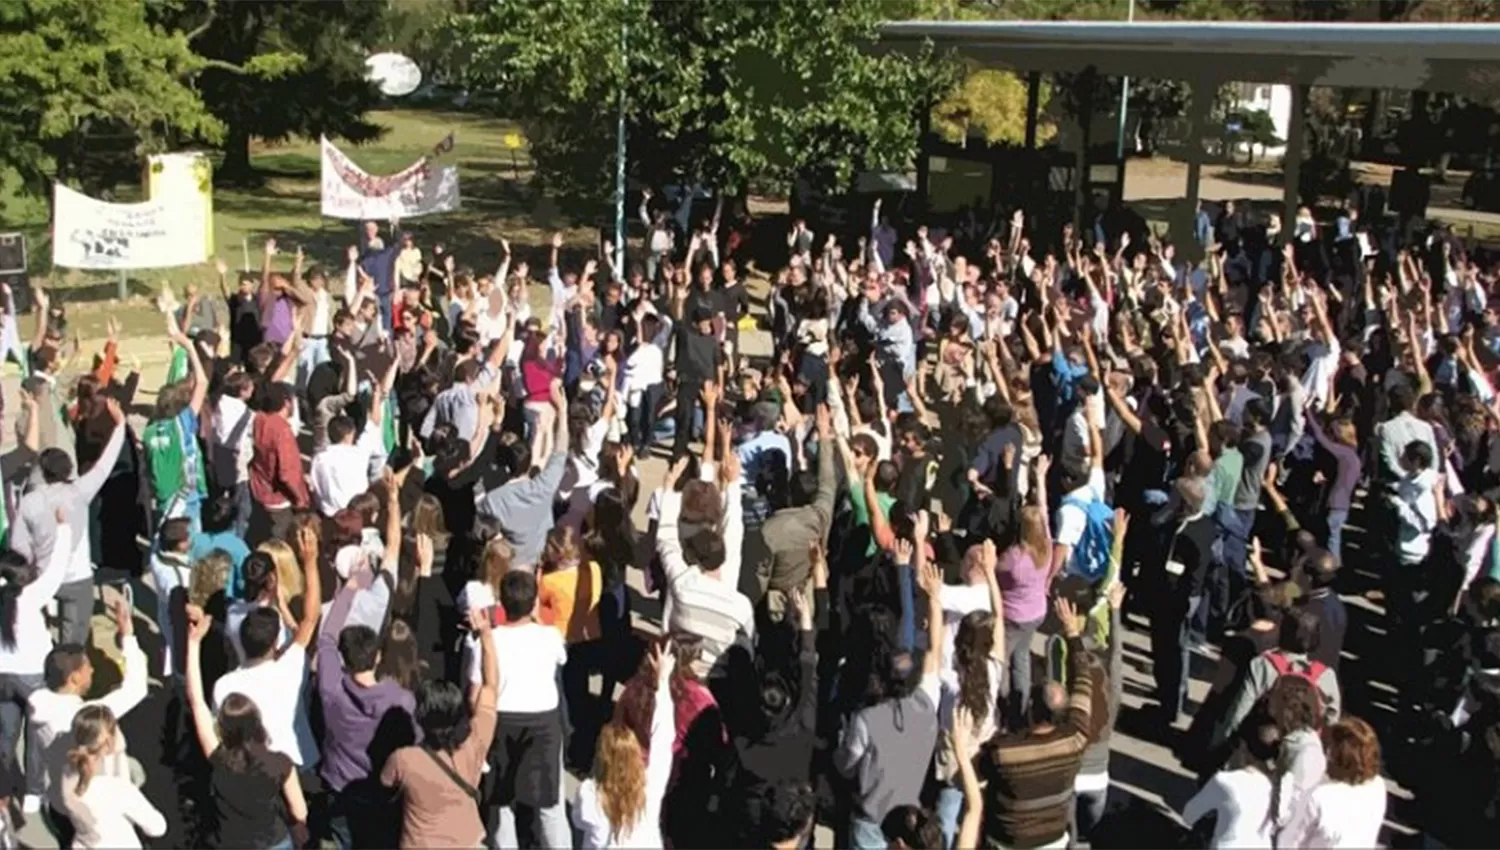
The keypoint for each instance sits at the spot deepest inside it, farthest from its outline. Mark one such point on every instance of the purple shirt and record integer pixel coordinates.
(1341, 494)
(361, 725)
(276, 317)
(1023, 586)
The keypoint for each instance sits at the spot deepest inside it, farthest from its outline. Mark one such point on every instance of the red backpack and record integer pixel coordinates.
(1285, 666)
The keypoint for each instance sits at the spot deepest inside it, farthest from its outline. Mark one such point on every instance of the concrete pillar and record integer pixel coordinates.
(1292, 164)
(1081, 202)
(1200, 99)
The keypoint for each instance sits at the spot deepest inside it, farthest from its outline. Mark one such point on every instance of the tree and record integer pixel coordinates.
(1153, 102)
(77, 71)
(1254, 129)
(279, 69)
(993, 103)
(717, 92)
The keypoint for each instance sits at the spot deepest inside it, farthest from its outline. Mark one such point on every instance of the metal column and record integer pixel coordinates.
(1292, 161)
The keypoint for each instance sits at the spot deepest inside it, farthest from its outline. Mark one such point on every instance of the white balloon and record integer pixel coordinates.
(394, 74)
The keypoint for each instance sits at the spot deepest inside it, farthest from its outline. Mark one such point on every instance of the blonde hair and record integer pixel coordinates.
(620, 776)
(495, 562)
(561, 550)
(1034, 536)
(210, 575)
(93, 737)
(427, 517)
(288, 571)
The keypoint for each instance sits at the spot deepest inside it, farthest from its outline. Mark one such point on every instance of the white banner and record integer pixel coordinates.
(93, 234)
(184, 180)
(420, 189)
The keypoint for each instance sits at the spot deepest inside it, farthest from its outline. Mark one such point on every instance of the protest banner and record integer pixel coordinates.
(184, 181)
(91, 234)
(349, 192)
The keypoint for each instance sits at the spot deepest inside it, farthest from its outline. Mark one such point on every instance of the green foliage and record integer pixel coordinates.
(991, 104)
(81, 76)
(718, 92)
(279, 69)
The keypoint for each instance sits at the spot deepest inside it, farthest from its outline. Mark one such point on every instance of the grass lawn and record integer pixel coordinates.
(493, 181)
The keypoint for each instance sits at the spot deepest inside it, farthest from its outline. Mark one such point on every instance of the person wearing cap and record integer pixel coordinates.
(1180, 581)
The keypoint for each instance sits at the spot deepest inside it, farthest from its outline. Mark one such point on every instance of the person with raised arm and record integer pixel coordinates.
(250, 782)
(884, 741)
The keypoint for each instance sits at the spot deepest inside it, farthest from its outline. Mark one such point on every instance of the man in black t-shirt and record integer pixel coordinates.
(1179, 578)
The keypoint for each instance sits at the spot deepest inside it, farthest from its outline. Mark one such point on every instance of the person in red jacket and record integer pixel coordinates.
(277, 486)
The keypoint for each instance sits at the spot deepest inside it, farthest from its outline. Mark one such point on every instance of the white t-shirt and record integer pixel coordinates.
(235, 615)
(1071, 519)
(529, 657)
(110, 811)
(1323, 364)
(959, 600)
(948, 701)
(644, 369)
(1242, 799)
(276, 689)
(1338, 815)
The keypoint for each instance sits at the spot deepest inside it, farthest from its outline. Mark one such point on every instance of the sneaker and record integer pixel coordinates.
(31, 804)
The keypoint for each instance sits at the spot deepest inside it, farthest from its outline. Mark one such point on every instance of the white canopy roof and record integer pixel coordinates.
(1460, 58)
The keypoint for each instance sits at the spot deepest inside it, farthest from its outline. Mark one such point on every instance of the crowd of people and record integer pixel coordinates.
(392, 502)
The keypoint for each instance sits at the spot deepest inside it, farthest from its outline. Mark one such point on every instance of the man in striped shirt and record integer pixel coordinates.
(701, 600)
(1031, 771)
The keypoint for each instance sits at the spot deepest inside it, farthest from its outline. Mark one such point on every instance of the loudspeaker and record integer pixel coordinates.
(13, 269)
(12, 253)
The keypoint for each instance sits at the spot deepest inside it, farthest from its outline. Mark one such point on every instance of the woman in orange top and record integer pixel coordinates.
(569, 590)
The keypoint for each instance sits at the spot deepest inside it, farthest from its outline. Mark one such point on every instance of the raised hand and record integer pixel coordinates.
(198, 624)
(124, 619)
(1067, 617)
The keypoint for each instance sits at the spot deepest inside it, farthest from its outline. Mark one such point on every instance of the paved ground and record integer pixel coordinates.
(1148, 784)
(1153, 184)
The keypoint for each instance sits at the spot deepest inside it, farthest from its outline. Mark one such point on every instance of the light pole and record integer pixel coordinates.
(619, 258)
(1124, 98)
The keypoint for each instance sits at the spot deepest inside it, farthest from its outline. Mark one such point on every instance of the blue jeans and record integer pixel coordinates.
(1336, 521)
(1169, 650)
(15, 694)
(950, 806)
(866, 834)
(1018, 646)
(314, 353)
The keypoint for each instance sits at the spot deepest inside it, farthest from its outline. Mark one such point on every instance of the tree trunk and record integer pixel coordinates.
(236, 166)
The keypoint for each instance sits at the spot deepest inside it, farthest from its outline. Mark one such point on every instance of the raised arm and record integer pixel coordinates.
(203, 718)
(90, 483)
(932, 583)
(997, 604)
(200, 378)
(880, 527)
(312, 593)
(41, 302)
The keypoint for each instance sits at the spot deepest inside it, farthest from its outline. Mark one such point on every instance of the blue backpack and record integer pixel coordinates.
(1091, 555)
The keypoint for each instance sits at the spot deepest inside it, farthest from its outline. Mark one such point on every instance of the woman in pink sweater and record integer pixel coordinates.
(538, 372)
